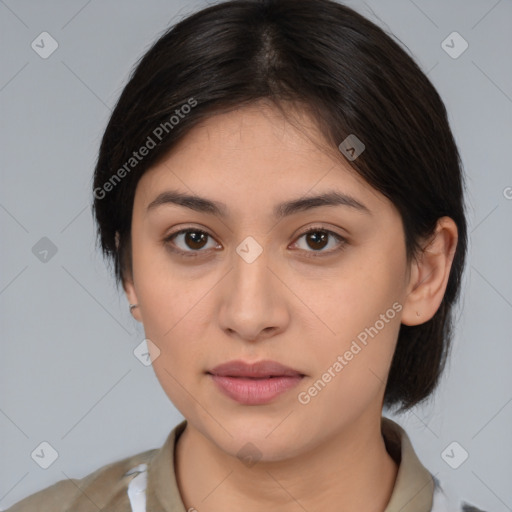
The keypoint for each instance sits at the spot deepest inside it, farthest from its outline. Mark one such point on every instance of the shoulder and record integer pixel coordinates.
(444, 501)
(416, 488)
(105, 487)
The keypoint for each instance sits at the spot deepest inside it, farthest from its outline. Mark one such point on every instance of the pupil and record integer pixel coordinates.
(318, 239)
(192, 237)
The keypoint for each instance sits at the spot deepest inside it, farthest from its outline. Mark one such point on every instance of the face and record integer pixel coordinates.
(246, 283)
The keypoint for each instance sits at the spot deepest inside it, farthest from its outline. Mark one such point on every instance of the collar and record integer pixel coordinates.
(413, 490)
(162, 493)
(414, 485)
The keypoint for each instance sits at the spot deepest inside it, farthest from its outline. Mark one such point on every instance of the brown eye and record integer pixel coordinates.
(316, 239)
(195, 239)
(189, 241)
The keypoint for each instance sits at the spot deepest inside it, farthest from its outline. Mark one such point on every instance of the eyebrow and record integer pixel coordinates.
(281, 210)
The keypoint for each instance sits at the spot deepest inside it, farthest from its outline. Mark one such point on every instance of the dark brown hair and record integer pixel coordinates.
(352, 77)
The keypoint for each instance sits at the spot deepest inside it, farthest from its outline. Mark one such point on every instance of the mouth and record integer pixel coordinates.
(254, 383)
(258, 370)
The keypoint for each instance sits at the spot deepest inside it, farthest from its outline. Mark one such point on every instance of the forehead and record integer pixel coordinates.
(253, 156)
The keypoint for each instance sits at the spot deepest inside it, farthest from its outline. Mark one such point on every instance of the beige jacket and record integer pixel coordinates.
(147, 482)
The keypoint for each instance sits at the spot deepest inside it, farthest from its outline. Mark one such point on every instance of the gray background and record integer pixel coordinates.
(68, 373)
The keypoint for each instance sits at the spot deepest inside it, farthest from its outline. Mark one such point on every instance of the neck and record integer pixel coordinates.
(349, 471)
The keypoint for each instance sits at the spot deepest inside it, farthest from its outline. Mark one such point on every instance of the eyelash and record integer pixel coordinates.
(315, 254)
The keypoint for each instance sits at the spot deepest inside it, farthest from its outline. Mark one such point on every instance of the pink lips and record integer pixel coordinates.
(254, 383)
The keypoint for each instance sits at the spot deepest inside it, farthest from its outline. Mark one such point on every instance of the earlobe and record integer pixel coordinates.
(429, 274)
(131, 295)
(129, 287)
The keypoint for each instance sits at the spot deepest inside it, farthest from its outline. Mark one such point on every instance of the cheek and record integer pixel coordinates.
(167, 293)
(173, 314)
(354, 296)
(173, 321)
(351, 370)
(361, 306)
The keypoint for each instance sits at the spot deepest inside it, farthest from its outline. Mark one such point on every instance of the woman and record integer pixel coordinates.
(268, 193)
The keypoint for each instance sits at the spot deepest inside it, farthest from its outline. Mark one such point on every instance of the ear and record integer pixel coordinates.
(429, 274)
(131, 295)
(129, 288)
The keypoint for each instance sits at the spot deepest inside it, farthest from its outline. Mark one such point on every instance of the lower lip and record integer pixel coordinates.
(255, 391)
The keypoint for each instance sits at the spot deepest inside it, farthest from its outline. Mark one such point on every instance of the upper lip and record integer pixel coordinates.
(265, 368)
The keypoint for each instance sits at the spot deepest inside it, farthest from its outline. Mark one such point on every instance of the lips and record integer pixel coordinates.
(259, 370)
(254, 383)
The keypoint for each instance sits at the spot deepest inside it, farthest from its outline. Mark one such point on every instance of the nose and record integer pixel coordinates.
(253, 305)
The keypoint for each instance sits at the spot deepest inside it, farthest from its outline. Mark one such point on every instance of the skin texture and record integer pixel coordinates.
(303, 312)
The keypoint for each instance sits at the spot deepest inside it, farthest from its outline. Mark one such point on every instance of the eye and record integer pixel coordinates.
(190, 242)
(186, 239)
(318, 238)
